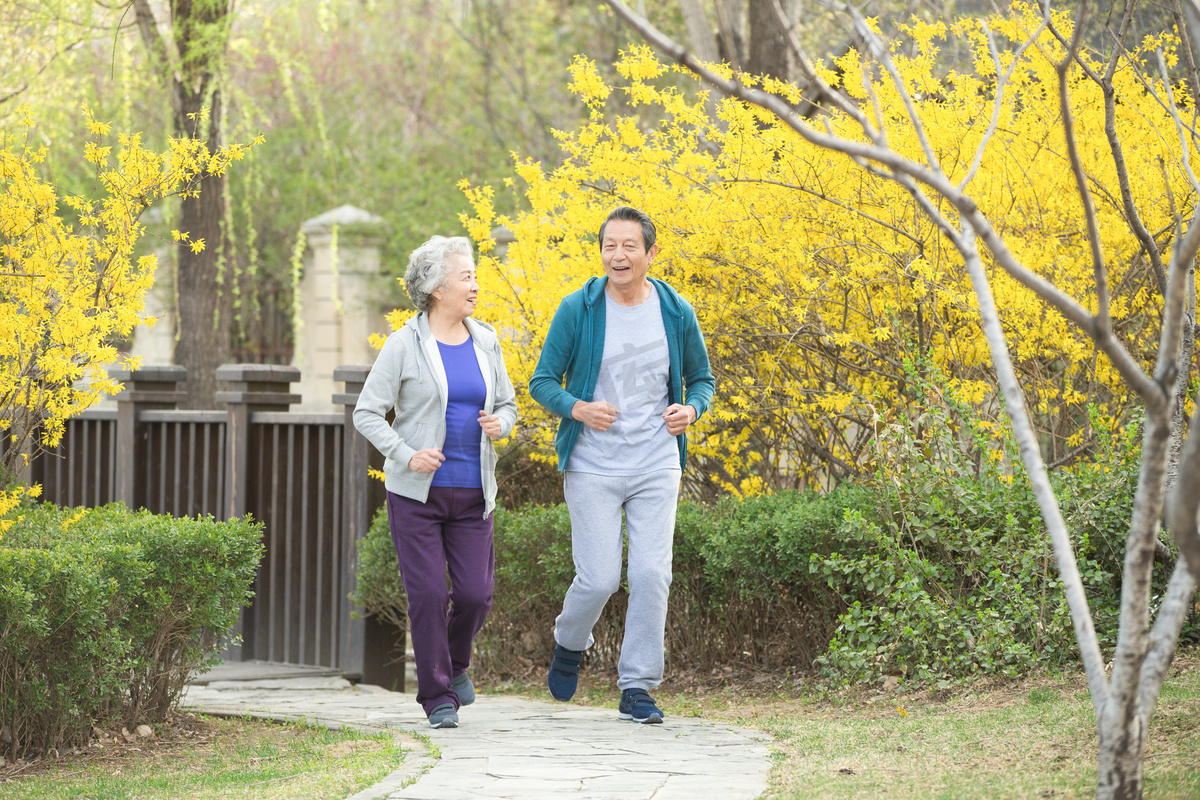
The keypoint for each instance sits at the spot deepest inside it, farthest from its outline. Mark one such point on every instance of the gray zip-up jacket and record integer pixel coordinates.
(408, 375)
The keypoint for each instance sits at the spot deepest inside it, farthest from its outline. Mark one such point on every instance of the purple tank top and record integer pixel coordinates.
(466, 395)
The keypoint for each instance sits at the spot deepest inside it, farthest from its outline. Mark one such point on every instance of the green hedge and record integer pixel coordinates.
(937, 570)
(737, 592)
(104, 613)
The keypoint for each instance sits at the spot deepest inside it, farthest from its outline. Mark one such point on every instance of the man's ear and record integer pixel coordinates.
(652, 252)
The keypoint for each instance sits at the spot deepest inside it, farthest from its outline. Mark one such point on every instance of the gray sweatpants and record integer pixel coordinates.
(595, 503)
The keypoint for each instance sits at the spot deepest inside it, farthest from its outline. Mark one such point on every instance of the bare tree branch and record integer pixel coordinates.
(1164, 636)
(1150, 391)
(1102, 318)
(1001, 83)
(1064, 554)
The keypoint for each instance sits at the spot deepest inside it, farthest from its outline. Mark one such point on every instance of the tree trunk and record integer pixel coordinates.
(1186, 350)
(1122, 751)
(202, 300)
(769, 53)
(732, 26)
(700, 33)
(189, 67)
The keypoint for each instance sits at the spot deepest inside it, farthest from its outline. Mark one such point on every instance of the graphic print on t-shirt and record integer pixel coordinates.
(635, 376)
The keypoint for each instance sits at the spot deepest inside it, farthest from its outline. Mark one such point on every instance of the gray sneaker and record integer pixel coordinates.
(444, 716)
(463, 687)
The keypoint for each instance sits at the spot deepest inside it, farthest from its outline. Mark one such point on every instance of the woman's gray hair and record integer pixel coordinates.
(429, 265)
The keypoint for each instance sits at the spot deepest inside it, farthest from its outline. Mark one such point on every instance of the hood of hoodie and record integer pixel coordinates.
(593, 293)
(482, 334)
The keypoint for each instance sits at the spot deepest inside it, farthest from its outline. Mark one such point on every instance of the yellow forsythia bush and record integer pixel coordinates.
(71, 281)
(821, 287)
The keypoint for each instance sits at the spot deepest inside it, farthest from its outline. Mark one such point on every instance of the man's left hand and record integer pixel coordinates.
(678, 418)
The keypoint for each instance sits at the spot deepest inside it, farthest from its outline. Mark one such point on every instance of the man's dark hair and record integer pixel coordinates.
(631, 214)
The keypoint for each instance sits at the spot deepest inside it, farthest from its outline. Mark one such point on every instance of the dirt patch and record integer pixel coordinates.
(115, 746)
(344, 749)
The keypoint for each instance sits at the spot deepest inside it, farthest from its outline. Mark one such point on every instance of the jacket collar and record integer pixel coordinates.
(482, 334)
(593, 294)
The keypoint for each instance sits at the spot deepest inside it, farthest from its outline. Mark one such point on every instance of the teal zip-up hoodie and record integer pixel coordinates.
(574, 349)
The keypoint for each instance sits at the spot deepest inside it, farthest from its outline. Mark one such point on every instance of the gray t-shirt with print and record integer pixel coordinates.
(633, 377)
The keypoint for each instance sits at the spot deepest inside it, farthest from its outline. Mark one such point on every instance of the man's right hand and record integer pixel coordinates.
(426, 460)
(597, 415)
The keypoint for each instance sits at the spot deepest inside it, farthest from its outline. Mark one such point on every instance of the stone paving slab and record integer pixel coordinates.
(255, 668)
(513, 748)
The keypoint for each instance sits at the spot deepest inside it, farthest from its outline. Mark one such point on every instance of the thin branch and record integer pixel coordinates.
(1187, 19)
(1174, 111)
(879, 51)
(832, 201)
(38, 74)
(1147, 241)
(1164, 637)
(1102, 321)
(1035, 468)
(1001, 82)
(1184, 503)
(816, 82)
(1119, 49)
(863, 152)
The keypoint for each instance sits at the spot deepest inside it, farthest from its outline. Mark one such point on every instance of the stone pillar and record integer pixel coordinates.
(339, 300)
(503, 237)
(145, 388)
(156, 344)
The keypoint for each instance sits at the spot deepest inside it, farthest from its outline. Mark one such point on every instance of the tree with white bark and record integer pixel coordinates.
(1124, 689)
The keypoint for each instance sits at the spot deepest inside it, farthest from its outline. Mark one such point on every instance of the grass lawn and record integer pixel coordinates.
(997, 739)
(203, 758)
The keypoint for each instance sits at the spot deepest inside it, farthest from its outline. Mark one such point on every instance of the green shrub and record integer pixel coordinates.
(937, 569)
(736, 595)
(765, 603)
(533, 570)
(379, 590)
(954, 575)
(106, 612)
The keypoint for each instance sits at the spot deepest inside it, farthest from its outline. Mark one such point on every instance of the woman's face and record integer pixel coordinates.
(457, 295)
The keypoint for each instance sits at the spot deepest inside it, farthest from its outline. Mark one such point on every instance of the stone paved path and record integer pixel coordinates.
(513, 747)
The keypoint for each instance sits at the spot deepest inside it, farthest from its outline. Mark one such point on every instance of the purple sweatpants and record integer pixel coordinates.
(447, 533)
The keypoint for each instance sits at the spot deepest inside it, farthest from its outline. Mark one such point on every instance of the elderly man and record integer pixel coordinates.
(636, 377)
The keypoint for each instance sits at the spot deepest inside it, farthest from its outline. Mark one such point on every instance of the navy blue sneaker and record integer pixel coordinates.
(463, 687)
(564, 673)
(638, 706)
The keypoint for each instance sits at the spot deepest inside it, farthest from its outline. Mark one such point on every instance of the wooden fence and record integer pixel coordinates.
(304, 476)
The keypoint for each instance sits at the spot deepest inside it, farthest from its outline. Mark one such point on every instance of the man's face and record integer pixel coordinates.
(626, 260)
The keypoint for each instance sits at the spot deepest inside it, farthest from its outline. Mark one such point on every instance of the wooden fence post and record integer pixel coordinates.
(357, 514)
(252, 387)
(145, 388)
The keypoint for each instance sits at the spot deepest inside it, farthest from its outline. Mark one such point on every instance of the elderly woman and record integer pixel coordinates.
(444, 375)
